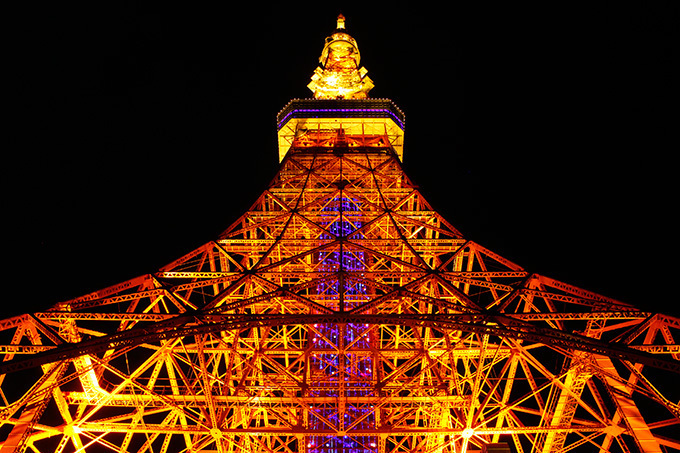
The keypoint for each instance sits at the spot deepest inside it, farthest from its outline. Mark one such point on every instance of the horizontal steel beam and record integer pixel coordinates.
(162, 400)
(201, 323)
(296, 431)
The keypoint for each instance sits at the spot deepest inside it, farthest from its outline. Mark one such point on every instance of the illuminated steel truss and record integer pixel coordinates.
(340, 314)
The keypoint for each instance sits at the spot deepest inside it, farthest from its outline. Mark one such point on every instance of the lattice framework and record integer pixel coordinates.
(340, 306)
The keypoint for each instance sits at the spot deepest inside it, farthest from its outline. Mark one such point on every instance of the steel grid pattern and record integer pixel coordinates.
(340, 306)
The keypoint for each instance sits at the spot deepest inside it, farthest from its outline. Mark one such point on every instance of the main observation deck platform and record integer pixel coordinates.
(353, 116)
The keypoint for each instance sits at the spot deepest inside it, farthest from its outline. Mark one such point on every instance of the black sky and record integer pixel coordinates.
(545, 131)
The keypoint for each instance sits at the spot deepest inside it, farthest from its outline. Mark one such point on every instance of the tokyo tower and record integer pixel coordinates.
(340, 314)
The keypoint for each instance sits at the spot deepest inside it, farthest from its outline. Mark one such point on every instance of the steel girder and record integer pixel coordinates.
(340, 305)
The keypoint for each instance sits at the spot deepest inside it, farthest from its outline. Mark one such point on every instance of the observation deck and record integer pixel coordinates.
(341, 106)
(351, 116)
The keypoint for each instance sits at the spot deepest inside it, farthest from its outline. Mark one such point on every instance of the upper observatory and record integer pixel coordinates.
(341, 106)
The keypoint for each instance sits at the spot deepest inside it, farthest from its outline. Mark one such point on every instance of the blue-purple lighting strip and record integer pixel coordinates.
(349, 371)
(321, 113)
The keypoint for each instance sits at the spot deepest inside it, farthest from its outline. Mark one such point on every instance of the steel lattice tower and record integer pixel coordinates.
(340, 314)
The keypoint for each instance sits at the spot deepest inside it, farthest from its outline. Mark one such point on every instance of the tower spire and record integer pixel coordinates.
(339, 75)
(341, 22)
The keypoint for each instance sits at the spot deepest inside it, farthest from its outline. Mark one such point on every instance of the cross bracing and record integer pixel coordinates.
(435, 342)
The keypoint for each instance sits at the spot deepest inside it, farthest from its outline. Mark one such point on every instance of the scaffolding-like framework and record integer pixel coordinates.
(340, 314)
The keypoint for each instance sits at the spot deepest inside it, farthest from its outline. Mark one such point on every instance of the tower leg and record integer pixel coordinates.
(16, 441)
(627, 409)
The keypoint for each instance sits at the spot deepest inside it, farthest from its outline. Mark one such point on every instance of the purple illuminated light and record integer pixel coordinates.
(348, 374)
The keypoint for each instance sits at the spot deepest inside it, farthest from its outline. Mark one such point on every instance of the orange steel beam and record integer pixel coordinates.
(195, 324)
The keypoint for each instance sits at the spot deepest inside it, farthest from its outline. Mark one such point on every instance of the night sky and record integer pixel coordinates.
(543, 130)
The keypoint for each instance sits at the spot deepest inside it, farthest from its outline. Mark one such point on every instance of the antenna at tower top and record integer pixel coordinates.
(341, 22)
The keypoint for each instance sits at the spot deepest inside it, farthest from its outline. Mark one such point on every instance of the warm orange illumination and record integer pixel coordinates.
(340, 76)
(341, 313)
